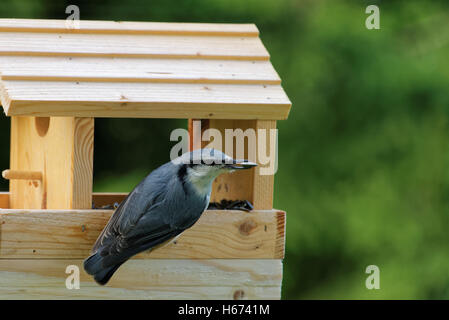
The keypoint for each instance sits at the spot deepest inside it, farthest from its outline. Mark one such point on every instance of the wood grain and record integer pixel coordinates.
(129, 45)
(119, 27)
(71, 234)
(63, 152)
(263, 184)
(137, 70)
(157, 279)
(27, 153)
(83, 157)
(146, 100)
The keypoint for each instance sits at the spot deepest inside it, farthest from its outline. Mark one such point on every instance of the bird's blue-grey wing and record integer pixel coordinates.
(142, 200)
(145, 219)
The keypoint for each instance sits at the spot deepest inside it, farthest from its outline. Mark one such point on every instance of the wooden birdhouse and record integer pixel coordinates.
(55, 79)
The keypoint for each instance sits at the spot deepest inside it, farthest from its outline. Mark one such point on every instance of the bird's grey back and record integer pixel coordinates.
(154, 207)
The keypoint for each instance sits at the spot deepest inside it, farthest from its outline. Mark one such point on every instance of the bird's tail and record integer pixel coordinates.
(95, 267)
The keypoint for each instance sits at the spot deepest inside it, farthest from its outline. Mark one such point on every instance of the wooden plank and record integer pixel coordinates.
(145, 279)
(125, 45)
(62, 149)
(248, 185)
(117, 27)
(145, 100)
(137, 70)
(71, 234)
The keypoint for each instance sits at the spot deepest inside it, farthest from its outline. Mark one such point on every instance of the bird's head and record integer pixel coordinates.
(200, 167)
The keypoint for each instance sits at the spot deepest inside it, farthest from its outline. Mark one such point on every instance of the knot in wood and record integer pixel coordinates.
(247, 226)
(239, 294)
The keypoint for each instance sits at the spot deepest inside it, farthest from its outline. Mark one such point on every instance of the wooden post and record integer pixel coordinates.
(248, 185)
(61, 148)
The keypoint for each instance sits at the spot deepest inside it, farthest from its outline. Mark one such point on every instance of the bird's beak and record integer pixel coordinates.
(242, 164)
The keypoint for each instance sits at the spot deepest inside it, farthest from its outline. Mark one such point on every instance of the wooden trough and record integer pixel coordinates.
(55, 80)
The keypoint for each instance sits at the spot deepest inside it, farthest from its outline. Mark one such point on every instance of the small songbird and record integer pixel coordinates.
(163, 205)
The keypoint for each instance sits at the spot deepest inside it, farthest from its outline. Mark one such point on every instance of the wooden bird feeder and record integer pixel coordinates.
(55, 80)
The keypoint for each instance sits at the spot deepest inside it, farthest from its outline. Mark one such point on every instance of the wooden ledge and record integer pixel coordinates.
(145, 279)
(70, 234)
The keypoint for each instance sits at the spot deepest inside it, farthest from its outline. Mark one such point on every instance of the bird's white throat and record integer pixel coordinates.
(201, 178)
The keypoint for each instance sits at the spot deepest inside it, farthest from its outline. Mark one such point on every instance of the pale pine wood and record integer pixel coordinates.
(71, 234)
(263, 185)
(27, 153)
(83, 157)
(151, 70)
(137, 70)
(145, 100)
(240, 185)
(117, 27)
(63, 152)
(157, 279)
(128, 45)
(4, 200)
(21, 175)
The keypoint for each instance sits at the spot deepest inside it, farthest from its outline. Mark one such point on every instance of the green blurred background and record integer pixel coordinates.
(363, 156)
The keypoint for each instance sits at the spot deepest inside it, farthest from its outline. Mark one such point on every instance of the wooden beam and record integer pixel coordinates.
(145, 100)
(145, 279)
(60, 148)
(221, 234)
(263, 184)
(82, 164)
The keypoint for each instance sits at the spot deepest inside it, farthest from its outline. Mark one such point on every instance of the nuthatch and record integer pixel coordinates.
(163, 205)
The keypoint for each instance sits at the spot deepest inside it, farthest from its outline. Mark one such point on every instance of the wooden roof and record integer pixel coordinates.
(137, 69)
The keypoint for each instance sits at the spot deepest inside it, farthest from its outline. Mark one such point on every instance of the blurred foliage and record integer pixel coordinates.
(363, 156)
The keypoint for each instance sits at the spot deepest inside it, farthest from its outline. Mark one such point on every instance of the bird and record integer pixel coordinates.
(163, 205)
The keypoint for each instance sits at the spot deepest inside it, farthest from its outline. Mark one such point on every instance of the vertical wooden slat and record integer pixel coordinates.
(27, 154)
(62, 149)
(83, 163)
(264, 183)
